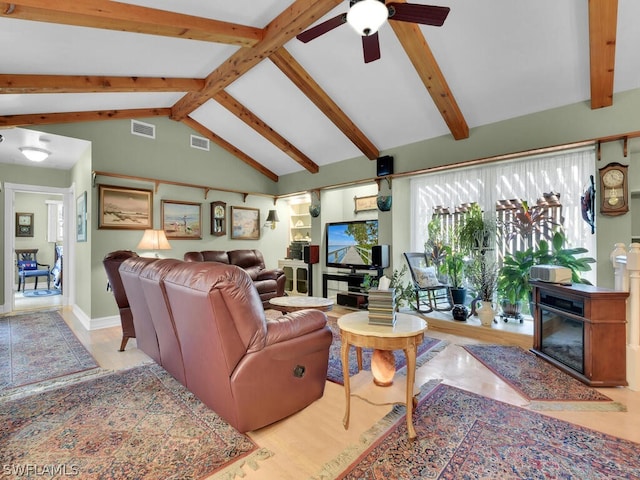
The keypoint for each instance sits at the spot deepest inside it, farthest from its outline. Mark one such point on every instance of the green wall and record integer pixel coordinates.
(169, 157)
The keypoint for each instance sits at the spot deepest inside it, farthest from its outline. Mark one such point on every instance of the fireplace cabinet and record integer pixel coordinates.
(581, 329)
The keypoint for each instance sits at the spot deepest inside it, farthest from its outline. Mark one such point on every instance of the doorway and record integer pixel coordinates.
(15, 194)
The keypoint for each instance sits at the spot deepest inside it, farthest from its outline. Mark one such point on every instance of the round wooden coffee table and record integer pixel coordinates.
(406, 335)
(298, 302)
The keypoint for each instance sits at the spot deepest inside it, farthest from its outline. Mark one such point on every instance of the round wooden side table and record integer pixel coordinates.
(406, 335)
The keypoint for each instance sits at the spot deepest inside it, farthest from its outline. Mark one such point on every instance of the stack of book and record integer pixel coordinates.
(382, 307)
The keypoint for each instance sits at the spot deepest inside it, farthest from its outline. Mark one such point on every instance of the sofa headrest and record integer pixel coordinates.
(246, 258)
(158, 269)
(135, 264)
(207, 256)
(231, 296)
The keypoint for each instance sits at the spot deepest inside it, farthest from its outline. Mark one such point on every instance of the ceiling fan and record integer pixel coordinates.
(367, 16)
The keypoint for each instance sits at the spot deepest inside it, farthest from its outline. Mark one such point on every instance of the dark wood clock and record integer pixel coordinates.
(218, 218)
(614, 194)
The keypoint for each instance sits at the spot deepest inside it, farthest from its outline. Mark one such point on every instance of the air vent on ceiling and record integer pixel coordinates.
(200, 142)
(143, 129)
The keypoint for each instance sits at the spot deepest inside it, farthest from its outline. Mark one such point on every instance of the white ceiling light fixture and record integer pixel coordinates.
(367, 16)
(35, 154)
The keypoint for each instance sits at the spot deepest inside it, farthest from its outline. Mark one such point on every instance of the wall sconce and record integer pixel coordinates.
(272, 218)
(154, 240)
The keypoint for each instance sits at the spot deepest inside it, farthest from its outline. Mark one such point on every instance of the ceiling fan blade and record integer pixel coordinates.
(371, 47)
(322, 28)
(414, 13)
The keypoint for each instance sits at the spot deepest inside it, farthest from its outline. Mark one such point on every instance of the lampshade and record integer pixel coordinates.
(35, 154)
(272, 218)
(367, 16)
(154, 240)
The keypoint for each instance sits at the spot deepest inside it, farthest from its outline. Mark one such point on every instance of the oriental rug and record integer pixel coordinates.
(39, 346)
(465, 435)
(426, 351)
(547, 387)
(138, 423)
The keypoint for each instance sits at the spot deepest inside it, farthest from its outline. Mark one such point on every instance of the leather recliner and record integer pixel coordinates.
(112, 262)
(270, 283)
(250, 371)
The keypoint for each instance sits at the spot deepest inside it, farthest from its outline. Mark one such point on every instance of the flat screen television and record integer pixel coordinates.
(349, 244)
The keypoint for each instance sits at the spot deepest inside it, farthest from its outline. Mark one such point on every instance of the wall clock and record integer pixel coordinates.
(24, 224)
(218, 218)
(614, 196)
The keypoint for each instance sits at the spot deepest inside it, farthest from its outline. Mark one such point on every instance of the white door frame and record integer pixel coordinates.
(68, 265)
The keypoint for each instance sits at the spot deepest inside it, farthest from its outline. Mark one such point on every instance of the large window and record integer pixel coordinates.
(499, 188)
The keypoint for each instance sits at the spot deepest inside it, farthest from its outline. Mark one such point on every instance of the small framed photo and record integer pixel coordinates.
(182, 220)
(245, 223)
(24, 224)
(125, 208)
(81, 217)
(364, 204)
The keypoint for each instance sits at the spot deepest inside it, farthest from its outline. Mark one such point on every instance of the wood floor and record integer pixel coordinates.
(304, 442)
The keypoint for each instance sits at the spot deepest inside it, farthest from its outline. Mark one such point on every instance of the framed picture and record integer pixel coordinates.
(24, 224)
(182, 220)
(245, 223)
(81, 218)
(363, 204)
(125, 208)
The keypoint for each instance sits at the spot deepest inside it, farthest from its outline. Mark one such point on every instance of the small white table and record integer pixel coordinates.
(295, 302)
(406, 335)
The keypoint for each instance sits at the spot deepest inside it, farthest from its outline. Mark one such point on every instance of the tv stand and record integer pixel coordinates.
(354, 297)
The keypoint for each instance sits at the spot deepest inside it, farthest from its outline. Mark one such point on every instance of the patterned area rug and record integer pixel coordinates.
(538, 380)
(426, 350)
(41, 293)
(139, 423)
(39, 346)
(465, 435)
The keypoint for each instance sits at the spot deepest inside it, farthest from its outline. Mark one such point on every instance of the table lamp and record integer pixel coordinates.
(154, 240)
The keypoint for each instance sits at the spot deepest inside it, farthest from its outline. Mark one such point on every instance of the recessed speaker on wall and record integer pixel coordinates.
(384, 166)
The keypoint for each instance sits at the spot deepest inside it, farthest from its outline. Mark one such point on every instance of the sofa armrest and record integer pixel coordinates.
(272, 274)
(293, 325)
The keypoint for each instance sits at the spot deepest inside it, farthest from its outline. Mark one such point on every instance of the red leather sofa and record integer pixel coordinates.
(269, 282)
(214, 338)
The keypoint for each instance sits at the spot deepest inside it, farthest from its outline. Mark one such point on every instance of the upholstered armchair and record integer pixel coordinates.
(112, 262)
(28, 266)
(250, 371)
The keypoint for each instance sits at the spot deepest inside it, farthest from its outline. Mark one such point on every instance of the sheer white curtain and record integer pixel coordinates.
(567, 173)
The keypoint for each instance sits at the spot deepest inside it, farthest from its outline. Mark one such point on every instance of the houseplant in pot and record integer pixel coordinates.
(482, 274)
(454, 265)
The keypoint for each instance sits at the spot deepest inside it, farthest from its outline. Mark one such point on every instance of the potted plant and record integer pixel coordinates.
(454, 266)
(476, 233)
(482, 274)
(513, 282)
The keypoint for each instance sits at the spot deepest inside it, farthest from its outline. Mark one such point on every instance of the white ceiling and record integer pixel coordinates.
(501, 59)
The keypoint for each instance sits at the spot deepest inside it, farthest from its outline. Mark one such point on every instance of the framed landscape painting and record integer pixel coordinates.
(245, 223)
(125, 208)
(182, 220)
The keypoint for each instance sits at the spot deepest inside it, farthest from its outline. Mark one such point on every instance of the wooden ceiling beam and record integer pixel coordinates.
(248, 117)
(283, 28)
(301, 78)
(71, 117)
(416, 47)
(222, 143)
(125, 17)
(603, 18)
(27, 84)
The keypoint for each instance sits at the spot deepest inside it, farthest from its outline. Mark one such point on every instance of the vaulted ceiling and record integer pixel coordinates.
(235, 73)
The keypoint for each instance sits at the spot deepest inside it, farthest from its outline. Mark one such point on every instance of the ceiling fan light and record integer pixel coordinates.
(35, 154)
(367, 16)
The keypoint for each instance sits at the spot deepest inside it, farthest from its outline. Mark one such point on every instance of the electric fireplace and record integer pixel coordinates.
(581, 329)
